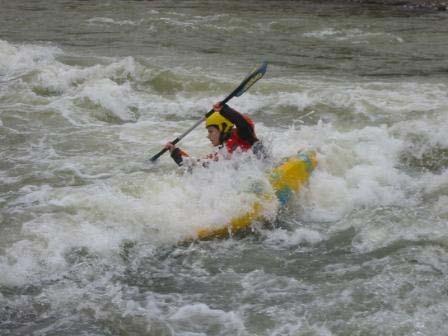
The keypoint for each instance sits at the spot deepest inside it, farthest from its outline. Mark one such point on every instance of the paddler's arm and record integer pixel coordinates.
(244, 129)
(183, 159)
(177, 154)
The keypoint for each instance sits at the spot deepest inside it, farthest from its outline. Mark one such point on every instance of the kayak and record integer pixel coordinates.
(286, 180)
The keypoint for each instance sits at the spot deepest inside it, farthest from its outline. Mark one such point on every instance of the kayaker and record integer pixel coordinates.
(229, 131)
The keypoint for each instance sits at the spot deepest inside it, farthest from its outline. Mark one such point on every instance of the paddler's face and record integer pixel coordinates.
(213, 135)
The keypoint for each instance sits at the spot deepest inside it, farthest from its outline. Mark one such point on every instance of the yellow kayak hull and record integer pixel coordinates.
(287, 178)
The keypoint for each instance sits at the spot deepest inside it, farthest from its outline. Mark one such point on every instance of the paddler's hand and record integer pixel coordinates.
(170, 147)
(217, 107)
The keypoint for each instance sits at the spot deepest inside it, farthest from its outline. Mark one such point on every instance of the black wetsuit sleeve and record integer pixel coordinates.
(244, 129)
(176, 154)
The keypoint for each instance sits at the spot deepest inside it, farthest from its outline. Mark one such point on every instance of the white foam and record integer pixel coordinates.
(387, 225)
(144, 208)
(355, 169)
(208, 198)
(87, 95)
(24, 263)
(210, 22)
(116, 99)
(62, 78)
(267, 286)
(431, 129)
(298, 328)
(440, 207)
(352, 35)
(17, 58)
(374, 100)
(299, 236)
(201, 318)
(106, 20)
(65, 86)
(102, 92)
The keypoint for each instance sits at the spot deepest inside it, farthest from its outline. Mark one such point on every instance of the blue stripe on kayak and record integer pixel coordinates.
(284, 195)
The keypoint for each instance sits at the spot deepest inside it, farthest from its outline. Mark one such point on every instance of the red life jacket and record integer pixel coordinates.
(235, 141)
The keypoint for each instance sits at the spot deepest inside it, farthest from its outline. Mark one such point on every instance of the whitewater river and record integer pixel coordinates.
(90, 230)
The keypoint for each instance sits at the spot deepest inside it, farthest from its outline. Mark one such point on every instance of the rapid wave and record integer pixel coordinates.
(370, 165)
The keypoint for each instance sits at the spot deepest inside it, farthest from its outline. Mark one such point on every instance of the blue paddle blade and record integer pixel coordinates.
(252, 78)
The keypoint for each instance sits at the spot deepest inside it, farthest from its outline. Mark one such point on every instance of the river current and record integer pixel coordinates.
(90, 230)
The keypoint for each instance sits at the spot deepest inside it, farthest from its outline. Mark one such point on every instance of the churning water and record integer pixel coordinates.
(89, 230)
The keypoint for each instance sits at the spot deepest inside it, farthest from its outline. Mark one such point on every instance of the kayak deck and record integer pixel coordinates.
(286, 178)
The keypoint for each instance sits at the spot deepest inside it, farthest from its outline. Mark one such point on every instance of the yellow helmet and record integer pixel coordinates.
(224, 125)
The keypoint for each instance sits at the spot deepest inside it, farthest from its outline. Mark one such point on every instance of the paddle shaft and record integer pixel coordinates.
(243, 87)
(180, 137)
